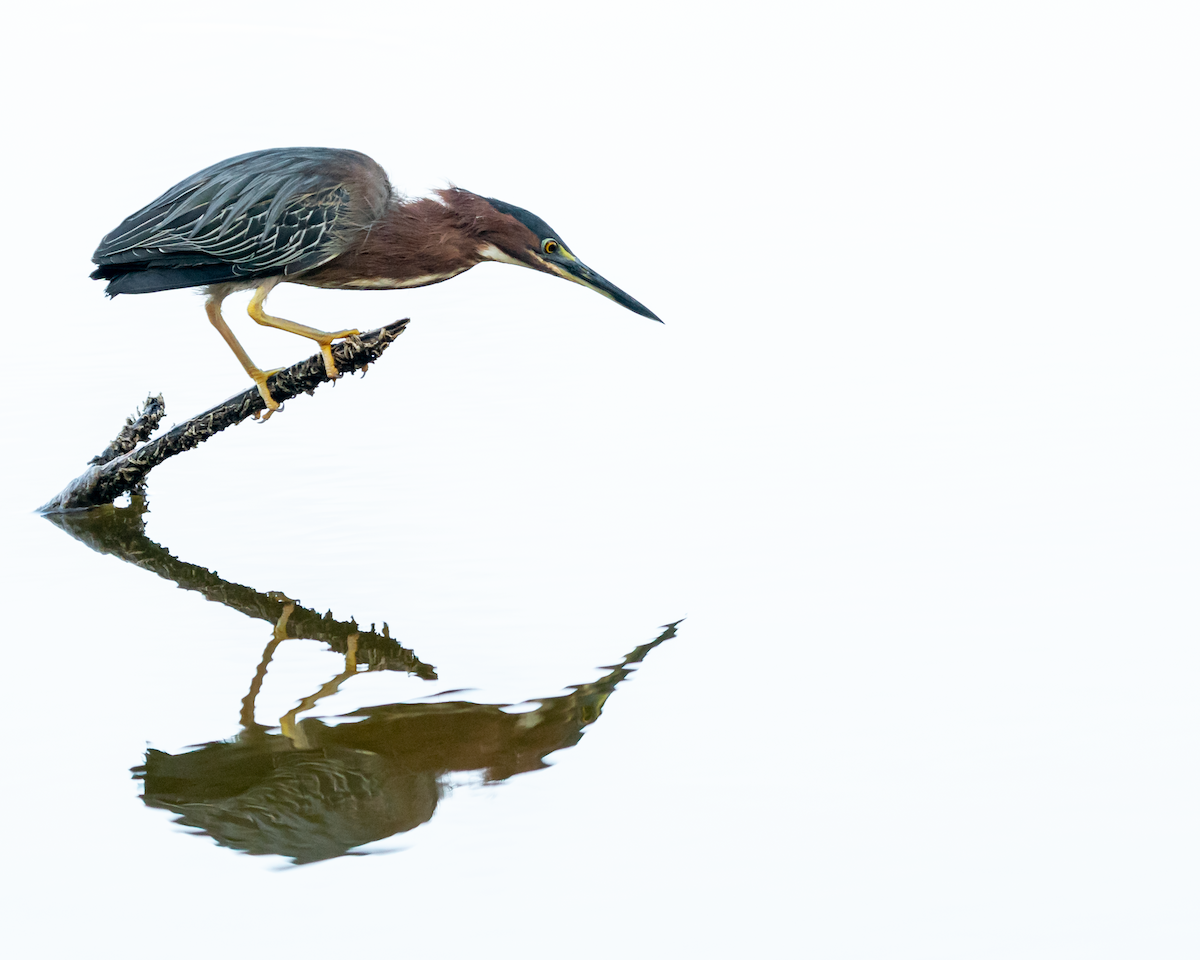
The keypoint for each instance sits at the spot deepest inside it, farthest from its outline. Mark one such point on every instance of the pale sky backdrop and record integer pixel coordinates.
(914, 452)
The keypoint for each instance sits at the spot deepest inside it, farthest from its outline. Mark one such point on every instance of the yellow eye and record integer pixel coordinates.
(549, 246)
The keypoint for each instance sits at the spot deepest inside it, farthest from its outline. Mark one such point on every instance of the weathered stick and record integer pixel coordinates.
(105, 481)
(135, 431)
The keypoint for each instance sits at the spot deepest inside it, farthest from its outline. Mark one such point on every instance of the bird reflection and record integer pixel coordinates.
(319, 788)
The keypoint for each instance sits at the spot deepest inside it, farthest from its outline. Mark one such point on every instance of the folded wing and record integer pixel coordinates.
(265, 214)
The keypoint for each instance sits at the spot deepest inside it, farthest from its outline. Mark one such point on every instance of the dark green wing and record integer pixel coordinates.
(265, 214)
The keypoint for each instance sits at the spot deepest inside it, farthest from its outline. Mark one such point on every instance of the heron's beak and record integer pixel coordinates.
(577, 272)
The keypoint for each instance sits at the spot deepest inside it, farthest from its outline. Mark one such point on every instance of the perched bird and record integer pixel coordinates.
(325, 218)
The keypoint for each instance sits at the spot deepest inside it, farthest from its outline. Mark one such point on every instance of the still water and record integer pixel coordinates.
(851, 613)
(832, 619)
(442, 661)
(447, 662)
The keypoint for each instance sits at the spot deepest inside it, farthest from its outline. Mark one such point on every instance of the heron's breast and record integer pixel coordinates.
(346, 280)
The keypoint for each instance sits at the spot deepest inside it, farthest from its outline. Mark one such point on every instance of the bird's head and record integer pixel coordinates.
(514, 235)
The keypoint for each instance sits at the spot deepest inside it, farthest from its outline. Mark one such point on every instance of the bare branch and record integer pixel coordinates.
(135, 431)
(106, 481)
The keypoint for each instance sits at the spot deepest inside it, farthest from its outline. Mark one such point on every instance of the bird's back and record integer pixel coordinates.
(259, 215)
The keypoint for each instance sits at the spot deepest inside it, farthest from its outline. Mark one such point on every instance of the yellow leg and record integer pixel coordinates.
(287, 723)
(277, 637)
(213, 306)
(323, 339)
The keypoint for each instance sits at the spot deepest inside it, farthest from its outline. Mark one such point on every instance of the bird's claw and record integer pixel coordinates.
(272, 404)
(325, 343)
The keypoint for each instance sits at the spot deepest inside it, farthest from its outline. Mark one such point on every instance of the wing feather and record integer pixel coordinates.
(266, 213)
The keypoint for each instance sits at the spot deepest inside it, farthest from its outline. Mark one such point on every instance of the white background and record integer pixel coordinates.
(914, 453)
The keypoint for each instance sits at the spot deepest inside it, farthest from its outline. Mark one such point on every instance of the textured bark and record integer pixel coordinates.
(135, 431)
(125, 469)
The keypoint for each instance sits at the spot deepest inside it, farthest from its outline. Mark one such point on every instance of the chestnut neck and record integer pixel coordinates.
(423, 241)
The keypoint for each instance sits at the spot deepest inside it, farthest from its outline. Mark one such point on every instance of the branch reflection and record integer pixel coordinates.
(319, 788)
(121, 532)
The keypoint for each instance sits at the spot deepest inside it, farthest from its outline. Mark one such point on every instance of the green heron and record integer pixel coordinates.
(324, 218)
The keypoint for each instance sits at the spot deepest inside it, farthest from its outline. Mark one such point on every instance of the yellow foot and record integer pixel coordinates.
(280, 632)
(331, 370)
(260, 380)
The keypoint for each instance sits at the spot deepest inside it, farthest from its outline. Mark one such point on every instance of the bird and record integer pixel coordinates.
(322, 217)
